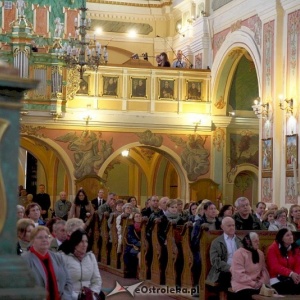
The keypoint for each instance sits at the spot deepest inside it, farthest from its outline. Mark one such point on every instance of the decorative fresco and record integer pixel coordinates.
(266, 190)
(90, 151)
(194, 157)
(243, 150)
(219, 136)
(150, 139)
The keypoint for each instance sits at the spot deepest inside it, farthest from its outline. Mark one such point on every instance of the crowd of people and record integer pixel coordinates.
(57, 249)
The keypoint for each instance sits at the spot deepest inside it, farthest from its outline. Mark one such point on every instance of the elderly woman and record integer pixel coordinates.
(24, 228)
(281, 221)
(48, 268)
(248, 268)
(20, 211)
(283, 263)
(82, 265)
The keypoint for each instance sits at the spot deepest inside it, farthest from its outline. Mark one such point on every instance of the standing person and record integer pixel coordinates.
(59, 233)
(48, 268)
(179, 62)
(283, 262)
(82, 208)
(108, 207)
(82, 266)
(43, 200)
(243, 218)
(62, 206)
(99, 200)
(221, 254)
(33, 212)
(248, 268)
(164, 60)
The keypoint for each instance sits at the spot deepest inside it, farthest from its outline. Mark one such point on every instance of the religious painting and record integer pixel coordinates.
(166, 88)
(267, 154)
(138, 87)
(193, 90)
(110, 85)
(83, 86)
(292, 152)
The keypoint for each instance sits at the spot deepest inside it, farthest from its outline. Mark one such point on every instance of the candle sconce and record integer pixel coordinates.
(261, 109)
(288, 107)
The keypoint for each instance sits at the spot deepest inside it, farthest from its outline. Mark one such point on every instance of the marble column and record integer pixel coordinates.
(16, 281)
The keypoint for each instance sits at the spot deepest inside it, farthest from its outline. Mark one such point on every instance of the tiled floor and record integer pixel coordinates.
(110, 282)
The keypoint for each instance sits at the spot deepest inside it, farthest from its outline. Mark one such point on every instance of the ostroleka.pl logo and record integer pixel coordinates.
(140, 289)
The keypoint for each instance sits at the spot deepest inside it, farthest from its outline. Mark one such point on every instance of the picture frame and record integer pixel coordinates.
(138, 87)
(267, 154)
(110, 85)
(291, 151)
(166, 88)
(193, 90)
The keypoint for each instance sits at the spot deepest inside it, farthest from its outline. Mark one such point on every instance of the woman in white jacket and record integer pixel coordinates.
(82, 265)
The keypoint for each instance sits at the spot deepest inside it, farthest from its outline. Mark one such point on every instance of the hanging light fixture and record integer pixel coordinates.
(81, 52)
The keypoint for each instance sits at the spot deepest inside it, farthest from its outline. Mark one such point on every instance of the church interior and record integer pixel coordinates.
(89, 123)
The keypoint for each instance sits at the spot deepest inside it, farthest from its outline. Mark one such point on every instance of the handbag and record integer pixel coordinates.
(87, 294)
(267, 291)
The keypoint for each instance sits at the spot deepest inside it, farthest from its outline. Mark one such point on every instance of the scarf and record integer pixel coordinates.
(174, 218)
(248, 246)
(51, 286)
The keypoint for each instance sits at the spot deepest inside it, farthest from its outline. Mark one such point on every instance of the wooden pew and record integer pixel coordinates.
(186, 275)
(124, 223)
(114, 243)
(266, 238)
(95, 236)
(155, 268)
(104, 241)
(172, 256)
(144, 248)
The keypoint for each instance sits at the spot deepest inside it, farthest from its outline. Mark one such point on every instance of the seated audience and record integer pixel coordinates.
(280, 221)
(126, 214)
(33, 212)
(116, 213)
(268, 218)
(82, 208)
(108, 207)
(20, 211)
(82, 265)
(209, 221)
(48, 268)
(24, 228)
(294, 215)
(283, 262)
(133, 201)
(59, 233)
(200, 208)
(248, 268)
(192, 211)
(244, 219)
(221, 253)
(260, 209)
(133, 246)
(227, 210)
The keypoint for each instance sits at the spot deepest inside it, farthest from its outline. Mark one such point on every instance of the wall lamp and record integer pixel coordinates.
(125, 153)
(261, 109)
(289, 104)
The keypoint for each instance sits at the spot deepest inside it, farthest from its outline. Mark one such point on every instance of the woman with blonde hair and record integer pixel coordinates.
(24, 228)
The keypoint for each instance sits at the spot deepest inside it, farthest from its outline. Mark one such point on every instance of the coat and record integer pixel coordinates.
(63, 279)
(245, 273)
(83, 273)
(279, 265)
(218, 257)
(75, 212)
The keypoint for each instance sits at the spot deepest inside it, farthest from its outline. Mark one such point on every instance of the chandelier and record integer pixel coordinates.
(81, 52)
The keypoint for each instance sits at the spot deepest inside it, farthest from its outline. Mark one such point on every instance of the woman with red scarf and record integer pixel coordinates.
(133, 245)
(48, 268)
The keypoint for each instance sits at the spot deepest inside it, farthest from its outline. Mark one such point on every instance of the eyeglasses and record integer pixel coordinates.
(44, 237)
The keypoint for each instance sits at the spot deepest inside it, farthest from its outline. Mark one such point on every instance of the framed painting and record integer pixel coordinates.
(83, 86)
(138, 87)
(166, 88)
(292, 151)
(267, 154)
(110, 85)
(193, 90)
